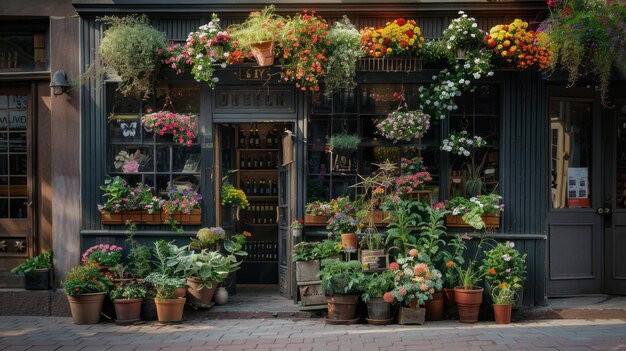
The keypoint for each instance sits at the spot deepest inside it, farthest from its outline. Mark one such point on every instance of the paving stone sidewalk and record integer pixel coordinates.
(56, 333)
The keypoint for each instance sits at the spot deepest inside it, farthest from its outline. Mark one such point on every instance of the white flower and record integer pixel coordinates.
(464, 32)
(436, 103)
(461, 81)
(474, 25)
(461, 12)
(199, 67)
(467, 82)
(466, 153)
(452, 37)
(464, 16)
(434, 78)
(476, 75)
(442, 117)
(476, 60)
(470, 142)
(489, 74)
(199, 56)
(223, 65)
(473, 35)
(466, 66)
(215, 79)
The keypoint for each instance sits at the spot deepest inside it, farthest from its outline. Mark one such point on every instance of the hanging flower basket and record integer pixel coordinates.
(263, 53)
(404, 125)
(182, 127)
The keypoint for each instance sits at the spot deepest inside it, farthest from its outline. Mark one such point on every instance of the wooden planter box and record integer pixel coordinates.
(411, 316)
(312, 220)
(137, 217)
(311, 294)
(307, 271)
(375, 260)
(194, 217)
(378, 217)
(491, 221)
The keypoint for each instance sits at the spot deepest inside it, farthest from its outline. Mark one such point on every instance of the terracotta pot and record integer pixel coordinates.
(468, 302)
(128, 310)
(170, 310)
(349, 241)
(151, 218)
(86, 308)
(134, 216)
(434, 307)
(315, 220)
(263, 52)
(342, 307)
(111, 218)
(181, 291)
(221, 296)
(203, 296)
(502, 313)
(192, 218)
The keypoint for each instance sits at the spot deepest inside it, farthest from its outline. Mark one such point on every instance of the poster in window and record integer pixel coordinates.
(578, 187)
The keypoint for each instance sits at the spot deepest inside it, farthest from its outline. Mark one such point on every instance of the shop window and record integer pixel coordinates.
(160, 162)
(23, 52)
(357, 112)
(13, 156)
(478, 115)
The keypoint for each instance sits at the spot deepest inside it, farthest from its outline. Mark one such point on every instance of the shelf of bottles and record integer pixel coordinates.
(261, 251)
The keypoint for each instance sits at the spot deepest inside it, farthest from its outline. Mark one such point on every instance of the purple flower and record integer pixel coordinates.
(511, 244)
(508, 270)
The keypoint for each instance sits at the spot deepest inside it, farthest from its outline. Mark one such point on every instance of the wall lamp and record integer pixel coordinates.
(59, 83)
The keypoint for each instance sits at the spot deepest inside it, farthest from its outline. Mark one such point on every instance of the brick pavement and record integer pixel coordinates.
(57, 333)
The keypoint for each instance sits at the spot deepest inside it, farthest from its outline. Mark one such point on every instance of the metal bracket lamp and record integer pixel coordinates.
(59, 83)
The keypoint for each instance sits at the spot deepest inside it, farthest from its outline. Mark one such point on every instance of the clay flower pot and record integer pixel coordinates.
(349, 241)
(170, 310)
(502, 313)
(128, 310)
(181, 291)
(263, 52)
(378, 309)
(434, 307)
(86, 308)
(468, 302)
(196, 294)
(342, 307)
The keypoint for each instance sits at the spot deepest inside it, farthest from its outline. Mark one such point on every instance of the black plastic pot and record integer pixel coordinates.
(39, 281)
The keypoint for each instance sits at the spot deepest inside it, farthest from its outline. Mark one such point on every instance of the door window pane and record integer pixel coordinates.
(13, 156)
(621, 155)
(571, 147)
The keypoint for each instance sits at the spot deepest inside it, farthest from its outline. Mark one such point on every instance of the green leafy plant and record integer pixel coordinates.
(139, 255)
(345, 50)
(503, 294)
(469, 277)
(341, 278)
(119, 271)
(130, 47)
(436, 51)
(304, 251)
(206, 266)
(344, 143)
(372, 241)
(452, 257)
(400, 234)
(41, 261)
(415, 279)
(431, 232)
(328, 248)
(377, 284)
(86, 279)
(472, 209)
(131, 291)
(260, 26)
(165, 287)
(504, 264)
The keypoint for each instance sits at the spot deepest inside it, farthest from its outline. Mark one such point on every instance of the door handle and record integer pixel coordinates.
(600, 210)
(277, 215)
(607, 210)
(604, 211)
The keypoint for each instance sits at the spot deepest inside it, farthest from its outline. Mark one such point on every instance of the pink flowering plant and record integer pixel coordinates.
(176, 57)
(184, 201)
(412, 165)
(415, 279)
(182, 127)
(411, 182)
(404, 125)
(207, 48)
(103, 254)
(319, 208)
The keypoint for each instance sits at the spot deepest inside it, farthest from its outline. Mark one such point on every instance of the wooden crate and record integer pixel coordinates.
(311, 294)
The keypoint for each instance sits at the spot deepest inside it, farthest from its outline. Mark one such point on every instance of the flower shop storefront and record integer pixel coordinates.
(262, 152)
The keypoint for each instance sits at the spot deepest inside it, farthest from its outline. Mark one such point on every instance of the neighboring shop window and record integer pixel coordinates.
(475, 170)
(23, 52)
(357, 113)
(13, 156)
(142, 156)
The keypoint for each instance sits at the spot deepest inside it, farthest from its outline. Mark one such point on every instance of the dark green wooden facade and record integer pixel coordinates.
(524, 174)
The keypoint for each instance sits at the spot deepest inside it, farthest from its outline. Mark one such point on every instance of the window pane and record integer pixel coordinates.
(4, 208)
(571, 148)
(130, 159)
(621, 155)
(18, 207)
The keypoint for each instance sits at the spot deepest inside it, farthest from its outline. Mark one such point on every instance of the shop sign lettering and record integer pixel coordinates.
(254, 73)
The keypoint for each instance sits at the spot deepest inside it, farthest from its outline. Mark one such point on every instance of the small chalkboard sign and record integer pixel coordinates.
(374, 263)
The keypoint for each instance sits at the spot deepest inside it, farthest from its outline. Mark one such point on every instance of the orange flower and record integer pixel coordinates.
(247, 234)
(503, 285)
(492, 271)
(449, 264)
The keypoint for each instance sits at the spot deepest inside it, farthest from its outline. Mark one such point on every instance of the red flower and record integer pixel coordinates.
(403, 44)
(409, 33)
(401, 21)
(387, 41)
(394, 266)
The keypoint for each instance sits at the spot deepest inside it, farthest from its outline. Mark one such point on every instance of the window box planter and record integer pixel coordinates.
(390, 64)
(315, 220)
(39, 281)
(137, 217)
(491, 221)
(193, 217)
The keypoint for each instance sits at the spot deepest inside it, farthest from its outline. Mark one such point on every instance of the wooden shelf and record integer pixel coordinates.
(259, 197)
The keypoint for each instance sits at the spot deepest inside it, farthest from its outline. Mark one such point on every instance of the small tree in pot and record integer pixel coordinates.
(342, 283)
(378, 297)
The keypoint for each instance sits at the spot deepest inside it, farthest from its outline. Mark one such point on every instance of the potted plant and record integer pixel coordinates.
(344, 144)
(504, 264)
(148, 307)
(232, 196)
(400, 237)
(377, 295)
(183, 207)
(503, 297)
(169, 306)
(479, 212)
(464, 145)
(344, 53)
(120, 275)
(136, 64)
(468, 295)
(463, 34)
(208, 238)
(372, 243)
(127, 300)
(342, 284)
(452, 257)
(86, 287)
(515, 44)
(258, 34)
(404, 125)
(304, 50)
(400, 37)
(183, 128)
(305, 256)
(346, 226)
(204, 270)
(139, 257)
(36, 271)
(166, 264)
(104, 256)
(317, 212)
(415, 283)
(296, 228)
(115, 190)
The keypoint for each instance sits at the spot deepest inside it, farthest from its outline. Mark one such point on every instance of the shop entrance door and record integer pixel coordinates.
(16, 241)
(587, 219)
